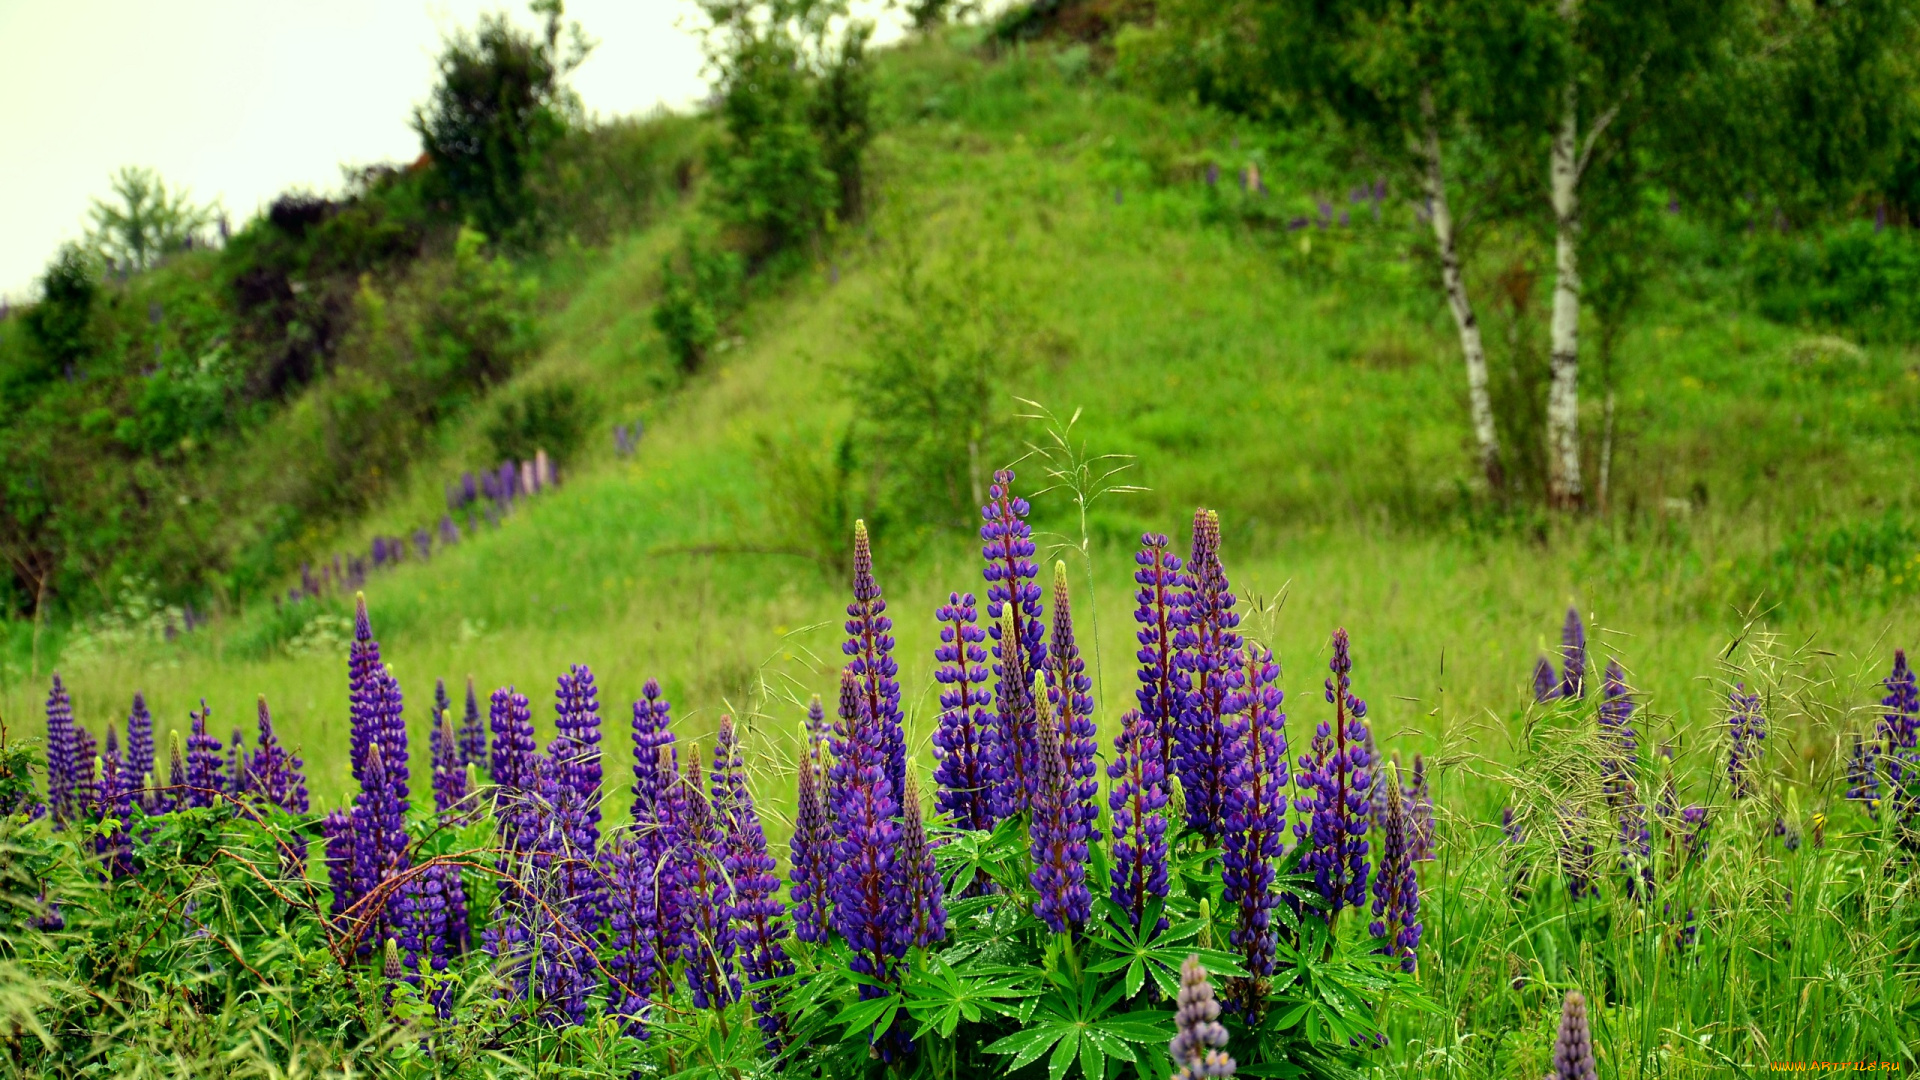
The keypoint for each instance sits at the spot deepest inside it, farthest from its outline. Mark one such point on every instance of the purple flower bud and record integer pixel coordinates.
(137, 765)
(1546, 685)
(704, 890)
(1256, 809)
(204, 782)
(1619, 743)
(811, 856)
(926, 922)
(1396, 889)
(1064, 812)
(1199, 1038)
(272, 774)
(867, 885)
(1573, 1046)
(473, 736)
(63, 754)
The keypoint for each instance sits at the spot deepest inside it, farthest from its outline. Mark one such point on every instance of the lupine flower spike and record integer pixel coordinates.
(1013, 606)
(1573, 656)
(964, 740)
(137, 766)
(473, 736)
(1256, 808)
(810, 856)
(869, 649)
(926, 908)
(1573, 1046)
(755, 916)
(1064, 812)
(1546, 684)
(1199, 1041)
(1338, 774)
(1161, 606)
(1396, 889)
(1747, 729)
(1209, 657)
(1138, 798)
(63, 751)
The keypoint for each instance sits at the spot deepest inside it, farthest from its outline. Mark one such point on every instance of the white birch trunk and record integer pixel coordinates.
(1563, 399)
(1479, 404)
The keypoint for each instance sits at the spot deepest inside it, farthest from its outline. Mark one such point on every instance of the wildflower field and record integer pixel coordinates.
(1048, 623)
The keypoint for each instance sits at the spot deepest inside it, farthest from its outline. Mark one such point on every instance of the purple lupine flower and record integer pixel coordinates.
(1546, 684)
(272, 773)
(86, 785)
(632, 899)
(63, 752)
(137, 766)
(174, 795)
(1573, 656)
(926, 922)
(1338, 775)
(727, 783)
(449, 778)
(1138, 799)
(1057, 842)
(869, 648)
(424, 937)
(442, 705)
(755, 915)
(1199, 1037)
(1619, 743)
(1161, 599)
(575, 752)
(1064, 816)
(1899, 729)
(1576, 853)
(964, 740)
(704, 891)
(1256, 811)
(1013, 599)
(867, 885)
(473, 736)
(1419, 798)
(1396, 889)
(204, 762)
(1747, 728)
(810, 855)
(511, 718)
(1070, 706)
(1863, 772)
(1573, 1045)
(539, 937)
(817, 729)
(1210, 658)
(377, 743)
(115, 801)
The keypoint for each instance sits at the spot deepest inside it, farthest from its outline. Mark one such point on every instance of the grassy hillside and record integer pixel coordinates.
(1302, 382)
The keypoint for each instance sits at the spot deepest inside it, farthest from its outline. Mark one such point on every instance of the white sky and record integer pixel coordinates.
(240, 100)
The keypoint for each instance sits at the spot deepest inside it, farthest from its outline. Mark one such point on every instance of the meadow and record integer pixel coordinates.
(1301, 383)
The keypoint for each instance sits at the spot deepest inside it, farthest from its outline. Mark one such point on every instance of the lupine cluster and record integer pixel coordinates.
(368, 847)
(1897, 749)
(1337, 776)
(1209, 656)
(1013, 606)
(1573, 1043)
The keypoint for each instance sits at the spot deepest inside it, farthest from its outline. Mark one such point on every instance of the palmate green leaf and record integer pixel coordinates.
(999, 855)
(1144, 952)
(942, 995)
(1073, 1024)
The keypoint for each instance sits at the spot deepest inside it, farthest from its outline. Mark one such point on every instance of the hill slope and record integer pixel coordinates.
(1301, 382)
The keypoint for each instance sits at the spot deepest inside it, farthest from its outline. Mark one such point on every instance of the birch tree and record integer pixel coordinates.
(1418, 84)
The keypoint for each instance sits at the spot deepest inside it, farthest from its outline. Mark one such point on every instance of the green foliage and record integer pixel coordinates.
(58, 326)
(794, 103)
(1851, 276)
(945, 347)
(501, 102)
(700, 288)
(552, 418)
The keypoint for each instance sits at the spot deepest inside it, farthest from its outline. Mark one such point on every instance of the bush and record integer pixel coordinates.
(1852, 277)
(699, 289)
(553, 418)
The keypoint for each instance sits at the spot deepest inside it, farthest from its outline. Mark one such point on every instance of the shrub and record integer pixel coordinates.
(553, 418)
(1851, 276)
(699, 289)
